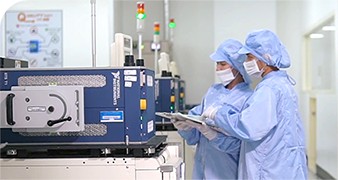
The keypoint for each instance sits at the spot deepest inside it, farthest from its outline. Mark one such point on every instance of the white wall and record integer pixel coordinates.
(193, 43)
(127, 17)
(336, 72)
(190, 53)
(327, 133)
(77, 46)
(235, 19)
(193, 38)
(306, 15)
(317, 12)
(290, 20)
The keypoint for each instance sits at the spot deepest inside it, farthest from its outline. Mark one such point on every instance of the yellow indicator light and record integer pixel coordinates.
(172, 99)
(143, 104)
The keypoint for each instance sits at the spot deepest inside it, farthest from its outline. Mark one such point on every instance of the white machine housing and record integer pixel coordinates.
(163, 62)
(122, 46)
(167, 166)
(34, 106)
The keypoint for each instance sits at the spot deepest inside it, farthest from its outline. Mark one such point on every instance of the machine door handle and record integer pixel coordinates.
(52, 122)
(9, 109)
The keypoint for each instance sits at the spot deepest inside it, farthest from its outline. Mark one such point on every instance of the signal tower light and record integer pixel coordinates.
(172, 23)
(140, 11)
(157, 28)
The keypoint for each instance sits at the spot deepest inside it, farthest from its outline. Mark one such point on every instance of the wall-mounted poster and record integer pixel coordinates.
(35, 36)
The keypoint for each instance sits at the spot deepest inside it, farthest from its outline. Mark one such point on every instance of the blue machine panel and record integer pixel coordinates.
(111, 100)
(181, 102)
(167, 95)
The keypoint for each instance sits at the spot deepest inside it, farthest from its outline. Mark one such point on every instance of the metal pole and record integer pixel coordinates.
(140, 45)
(93, 20)
(166, 19)
(156, 59)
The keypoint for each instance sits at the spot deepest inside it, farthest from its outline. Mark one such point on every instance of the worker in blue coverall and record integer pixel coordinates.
(210, 162)
(270, 127)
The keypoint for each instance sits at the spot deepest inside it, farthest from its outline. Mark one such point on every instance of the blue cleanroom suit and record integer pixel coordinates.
(273, 144)
(210, 162)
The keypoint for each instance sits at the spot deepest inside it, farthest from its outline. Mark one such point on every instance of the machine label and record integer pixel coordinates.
(130, 78)
(150, 81)
(128, 84)
(150, 126)
(36, 109)
(116, 87)
(111, 116)
(129, 72)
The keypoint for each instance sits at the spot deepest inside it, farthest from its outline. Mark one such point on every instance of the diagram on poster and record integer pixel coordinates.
(35, 36)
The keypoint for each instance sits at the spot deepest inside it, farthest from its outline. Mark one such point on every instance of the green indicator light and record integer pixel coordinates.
(157, 33)
(141, 118)
(141, 16)
(172, 25)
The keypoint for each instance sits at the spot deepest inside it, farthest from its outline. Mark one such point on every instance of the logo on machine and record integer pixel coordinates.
(116, 87)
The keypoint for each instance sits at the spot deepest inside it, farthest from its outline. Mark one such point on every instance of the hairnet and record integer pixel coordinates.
(228, 51)
(267, 47)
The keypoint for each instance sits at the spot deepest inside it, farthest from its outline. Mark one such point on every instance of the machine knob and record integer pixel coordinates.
(51, 109)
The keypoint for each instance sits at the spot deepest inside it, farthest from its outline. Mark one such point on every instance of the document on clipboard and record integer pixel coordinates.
(193, 118)
(186, 117)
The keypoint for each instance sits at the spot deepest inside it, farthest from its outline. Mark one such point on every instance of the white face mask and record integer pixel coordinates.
(252, 69)
(226, 76)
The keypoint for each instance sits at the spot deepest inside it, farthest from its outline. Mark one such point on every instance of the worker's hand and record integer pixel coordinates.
(207, 131)
(181, 125)
(210, 122)
(210, 112)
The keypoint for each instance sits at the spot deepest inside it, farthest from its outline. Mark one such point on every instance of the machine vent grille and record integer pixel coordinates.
(90, 130)
(64, 80)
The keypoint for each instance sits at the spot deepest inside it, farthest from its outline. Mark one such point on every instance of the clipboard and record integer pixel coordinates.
(193, 118)
(186, 117)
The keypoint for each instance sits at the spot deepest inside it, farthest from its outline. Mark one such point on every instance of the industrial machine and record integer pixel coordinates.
(169, 96)
(12, 63)
(164, 164)
(101, 105)
(91, 123)
(82, 120)
(181, 101)
(166, 98)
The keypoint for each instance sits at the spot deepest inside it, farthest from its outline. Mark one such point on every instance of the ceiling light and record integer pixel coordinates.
(316, 36)
(329, 28)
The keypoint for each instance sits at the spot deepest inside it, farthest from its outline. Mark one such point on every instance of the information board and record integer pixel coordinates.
(35, 36)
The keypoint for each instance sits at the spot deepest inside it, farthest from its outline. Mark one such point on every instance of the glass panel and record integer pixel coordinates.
(321, 55)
